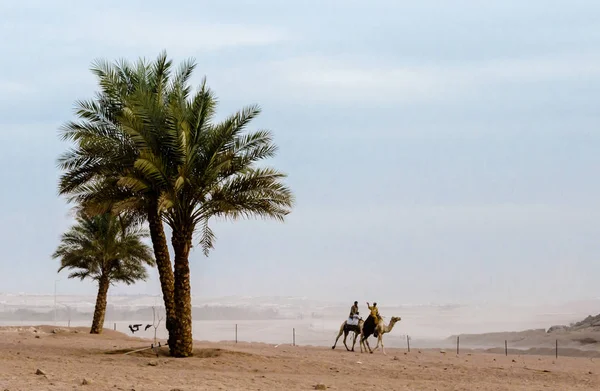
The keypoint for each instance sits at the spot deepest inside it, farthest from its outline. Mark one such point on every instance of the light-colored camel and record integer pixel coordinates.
(345, 329)
(381, 329)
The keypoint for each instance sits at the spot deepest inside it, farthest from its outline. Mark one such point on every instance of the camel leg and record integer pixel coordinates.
(364, 342)
(368, 346)
(361, 343)
(338, 337)
(379, 341)
(354, 341)
(346, 336)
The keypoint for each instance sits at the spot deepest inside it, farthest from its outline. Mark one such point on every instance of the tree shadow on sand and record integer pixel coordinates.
(163, 351)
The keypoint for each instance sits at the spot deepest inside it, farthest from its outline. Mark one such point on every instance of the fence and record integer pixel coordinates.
(294, 338)
(294, 332)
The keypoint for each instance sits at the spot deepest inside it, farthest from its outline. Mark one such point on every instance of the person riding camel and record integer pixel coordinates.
(375, 315)
(353, 317)
(354, 310)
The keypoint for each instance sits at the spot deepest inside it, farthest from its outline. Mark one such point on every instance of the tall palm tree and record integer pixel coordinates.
(204, 170)
(107, 249)
(159, 146)
(103, 153)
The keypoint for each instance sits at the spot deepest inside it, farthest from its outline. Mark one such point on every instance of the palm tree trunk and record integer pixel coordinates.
(165, 270)
(184, 344)
(100, 309)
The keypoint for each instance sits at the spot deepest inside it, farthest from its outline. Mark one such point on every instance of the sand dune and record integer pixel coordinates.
(68, 356)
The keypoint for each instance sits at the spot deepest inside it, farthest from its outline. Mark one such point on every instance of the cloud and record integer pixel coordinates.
(43, 134)
(66, 49)
(325, 79)
(432, 216)
(117, 29)
(186, 37)
(538, 69)
(11, 89)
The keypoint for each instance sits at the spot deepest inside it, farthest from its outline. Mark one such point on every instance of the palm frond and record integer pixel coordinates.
(147, 138)
(259, 192)
(82, 275)
(207, 236)
(105, 245)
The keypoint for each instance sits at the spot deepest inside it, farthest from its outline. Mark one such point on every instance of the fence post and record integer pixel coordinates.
(294, 336)
(457, 344)
(408, 343)
(505, 348)
(557, 348)
(115, 327)
(236, 333)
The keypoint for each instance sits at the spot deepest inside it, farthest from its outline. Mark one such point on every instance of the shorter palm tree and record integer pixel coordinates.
(105, 248)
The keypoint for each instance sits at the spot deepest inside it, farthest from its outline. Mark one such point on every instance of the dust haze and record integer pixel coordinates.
(274, 319)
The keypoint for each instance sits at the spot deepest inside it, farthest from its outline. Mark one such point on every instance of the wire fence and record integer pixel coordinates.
(294, 332)
(290, 334)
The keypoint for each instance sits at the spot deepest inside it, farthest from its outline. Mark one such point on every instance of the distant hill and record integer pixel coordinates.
(591, 323)
(580, 336)
(140, 313)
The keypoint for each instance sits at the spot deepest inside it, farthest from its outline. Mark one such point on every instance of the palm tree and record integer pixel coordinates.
(148, 141)
(107, 249)
(203, 170)
(103, 153)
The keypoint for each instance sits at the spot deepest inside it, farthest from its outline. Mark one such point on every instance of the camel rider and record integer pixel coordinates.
(374, 312)
(375, 315)
(353, 318)
(354, 310)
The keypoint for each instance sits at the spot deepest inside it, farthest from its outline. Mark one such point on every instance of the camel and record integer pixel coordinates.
(381, 329)
(346, 329)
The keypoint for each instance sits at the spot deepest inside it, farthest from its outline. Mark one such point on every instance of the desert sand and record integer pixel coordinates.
(72, 359)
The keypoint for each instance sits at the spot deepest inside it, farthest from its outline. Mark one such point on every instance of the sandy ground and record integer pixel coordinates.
(69, 356)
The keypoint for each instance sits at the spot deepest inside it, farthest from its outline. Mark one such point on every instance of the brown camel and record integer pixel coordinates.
(346, 329)
(381, 329)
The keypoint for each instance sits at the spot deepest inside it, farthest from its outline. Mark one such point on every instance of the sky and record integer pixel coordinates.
(439, 151)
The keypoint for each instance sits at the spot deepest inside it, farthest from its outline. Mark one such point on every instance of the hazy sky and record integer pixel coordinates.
(439, 150)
